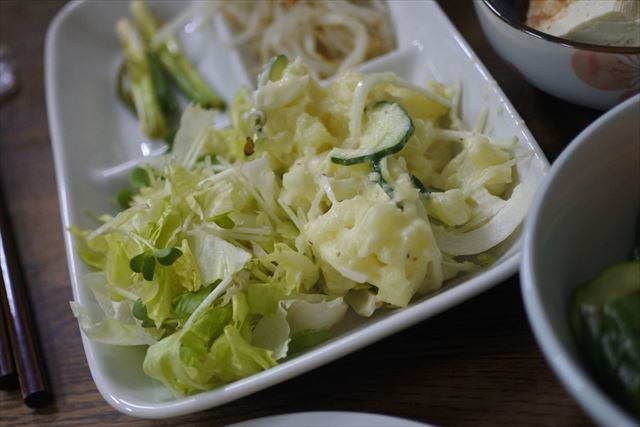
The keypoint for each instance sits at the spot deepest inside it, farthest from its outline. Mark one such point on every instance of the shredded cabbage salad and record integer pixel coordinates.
(247, 244)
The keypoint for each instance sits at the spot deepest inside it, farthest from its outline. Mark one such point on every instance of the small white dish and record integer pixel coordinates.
(589, 75)
(329, 419)
(93, 136)
(582, 219)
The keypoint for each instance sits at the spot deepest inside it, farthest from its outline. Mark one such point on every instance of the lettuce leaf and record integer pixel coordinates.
(92, 252)
(209, 352)
(314, 312)
(193, 121)
(108, 330)
(216, 258)
(273, 332)
(117, 326)
(303, 319)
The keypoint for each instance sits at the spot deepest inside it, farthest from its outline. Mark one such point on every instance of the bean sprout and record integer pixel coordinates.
(330, 36)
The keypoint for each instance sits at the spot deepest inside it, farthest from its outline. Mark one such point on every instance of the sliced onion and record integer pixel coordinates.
(499, 227)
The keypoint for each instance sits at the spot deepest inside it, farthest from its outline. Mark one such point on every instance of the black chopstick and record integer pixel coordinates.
(22, 337)
(8, 376)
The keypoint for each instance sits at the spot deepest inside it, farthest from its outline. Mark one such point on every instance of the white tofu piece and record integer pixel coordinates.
(602, 22)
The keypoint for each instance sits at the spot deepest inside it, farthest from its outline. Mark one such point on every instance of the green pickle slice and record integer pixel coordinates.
(606, 322)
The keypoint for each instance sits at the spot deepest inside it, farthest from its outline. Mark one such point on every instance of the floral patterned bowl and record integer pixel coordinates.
(585, 74)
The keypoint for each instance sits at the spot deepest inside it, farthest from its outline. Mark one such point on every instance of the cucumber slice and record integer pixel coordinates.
(425, 190)
(277, 66)
(273, 70)
(615, 281)
(376, 167)
(387, 130)
(605, 319)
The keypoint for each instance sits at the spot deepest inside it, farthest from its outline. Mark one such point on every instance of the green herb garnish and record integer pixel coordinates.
(223, 221)
(145, 262)
(139, 311)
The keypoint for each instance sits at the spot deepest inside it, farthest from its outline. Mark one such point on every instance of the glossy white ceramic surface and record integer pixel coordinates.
(96, 141)
(591, 78)
(583, 218)
(329, 419)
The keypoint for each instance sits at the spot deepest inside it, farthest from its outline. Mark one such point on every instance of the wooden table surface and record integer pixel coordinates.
(476, 364)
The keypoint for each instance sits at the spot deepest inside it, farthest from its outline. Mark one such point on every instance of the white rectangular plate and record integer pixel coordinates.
(93, 136)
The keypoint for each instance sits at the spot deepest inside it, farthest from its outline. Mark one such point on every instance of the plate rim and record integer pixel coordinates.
(353, 417)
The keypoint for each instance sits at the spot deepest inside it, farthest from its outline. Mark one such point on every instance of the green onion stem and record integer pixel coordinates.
(175, 63)
(138, 70)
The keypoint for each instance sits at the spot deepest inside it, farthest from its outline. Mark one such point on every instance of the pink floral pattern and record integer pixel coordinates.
(607, 71)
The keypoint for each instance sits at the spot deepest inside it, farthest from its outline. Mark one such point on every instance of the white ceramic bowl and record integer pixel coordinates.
(589, 75)
(581, 220)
